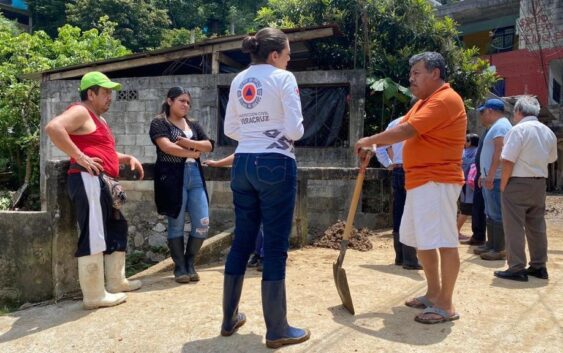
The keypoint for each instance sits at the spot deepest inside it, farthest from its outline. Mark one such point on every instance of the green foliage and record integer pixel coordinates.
(381, 36)
(139, 23)
(181, 36)
(134, 263)
(23, 53)
(5, 200)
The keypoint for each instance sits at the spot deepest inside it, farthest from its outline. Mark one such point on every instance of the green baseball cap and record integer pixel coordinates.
(96, 78)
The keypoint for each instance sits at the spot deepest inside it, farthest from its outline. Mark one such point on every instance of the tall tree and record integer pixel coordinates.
(47, 15)
(139, 23)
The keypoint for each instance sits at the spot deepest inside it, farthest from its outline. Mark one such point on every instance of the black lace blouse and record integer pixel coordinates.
(168, 169)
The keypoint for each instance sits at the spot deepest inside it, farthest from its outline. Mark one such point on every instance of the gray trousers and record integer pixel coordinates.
(523, 209)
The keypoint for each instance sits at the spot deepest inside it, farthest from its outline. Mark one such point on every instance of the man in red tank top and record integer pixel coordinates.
(83, 134)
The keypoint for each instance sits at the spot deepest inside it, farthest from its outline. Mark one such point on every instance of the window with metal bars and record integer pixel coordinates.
(127, 95)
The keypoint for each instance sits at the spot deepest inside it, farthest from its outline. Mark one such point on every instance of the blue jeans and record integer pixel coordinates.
(264, 187)
(194, 201)
(492, 202)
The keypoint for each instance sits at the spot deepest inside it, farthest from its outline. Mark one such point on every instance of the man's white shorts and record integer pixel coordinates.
(429, 218)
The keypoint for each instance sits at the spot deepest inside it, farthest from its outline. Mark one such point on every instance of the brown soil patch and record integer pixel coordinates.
(332, 236)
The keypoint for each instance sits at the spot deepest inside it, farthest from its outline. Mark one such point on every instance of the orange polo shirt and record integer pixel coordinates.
(434, 154)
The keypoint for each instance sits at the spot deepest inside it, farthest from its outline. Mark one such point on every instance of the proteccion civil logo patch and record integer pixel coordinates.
(249, 93)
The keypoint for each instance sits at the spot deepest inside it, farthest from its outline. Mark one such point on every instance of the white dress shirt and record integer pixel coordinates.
(397, 148)
(531, 146)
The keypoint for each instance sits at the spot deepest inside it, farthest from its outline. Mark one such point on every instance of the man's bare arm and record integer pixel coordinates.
(59, 130)
(495, 162)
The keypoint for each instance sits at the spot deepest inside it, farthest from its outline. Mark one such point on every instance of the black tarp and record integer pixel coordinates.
(325, 116)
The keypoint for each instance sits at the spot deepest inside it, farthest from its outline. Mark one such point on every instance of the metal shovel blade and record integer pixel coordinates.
(342, 287)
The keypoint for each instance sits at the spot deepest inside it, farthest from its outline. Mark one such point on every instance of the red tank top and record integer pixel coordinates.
(99, 143)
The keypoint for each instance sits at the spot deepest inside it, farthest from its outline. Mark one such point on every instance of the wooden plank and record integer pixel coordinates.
(126, 64)
(215, 64)
(180, 54)
(310, 34)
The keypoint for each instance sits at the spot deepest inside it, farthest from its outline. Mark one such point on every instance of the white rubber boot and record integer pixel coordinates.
(91, 277)
(115, 274)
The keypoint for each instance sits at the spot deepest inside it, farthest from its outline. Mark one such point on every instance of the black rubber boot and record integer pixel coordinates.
(278, 331)
(192, 248)
(489, 243)
(232, 319)
(176, 247)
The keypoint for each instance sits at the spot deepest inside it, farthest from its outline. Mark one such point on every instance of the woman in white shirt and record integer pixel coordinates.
(264, 115)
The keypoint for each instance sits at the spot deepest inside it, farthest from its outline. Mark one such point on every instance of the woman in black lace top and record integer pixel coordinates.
(178, 179)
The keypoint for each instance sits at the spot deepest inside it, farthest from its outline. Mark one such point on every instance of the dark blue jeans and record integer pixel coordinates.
(264, 187)
(478, 218)
(404, 254)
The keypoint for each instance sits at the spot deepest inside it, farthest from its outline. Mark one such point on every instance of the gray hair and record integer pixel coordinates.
(432, 60)
(527, 105)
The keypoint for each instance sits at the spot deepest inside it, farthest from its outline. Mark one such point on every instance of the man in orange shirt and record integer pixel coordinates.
(434, 133)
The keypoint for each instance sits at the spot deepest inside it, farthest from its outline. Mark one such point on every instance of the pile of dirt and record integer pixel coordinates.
(332, 236)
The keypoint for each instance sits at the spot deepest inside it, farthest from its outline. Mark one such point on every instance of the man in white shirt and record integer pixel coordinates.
(391, 157)
(529, 147)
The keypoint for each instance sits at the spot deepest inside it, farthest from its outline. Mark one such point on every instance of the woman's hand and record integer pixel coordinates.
(185, 143)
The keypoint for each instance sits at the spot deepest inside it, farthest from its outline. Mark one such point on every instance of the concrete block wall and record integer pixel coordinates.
(130, 122)
(25, 257)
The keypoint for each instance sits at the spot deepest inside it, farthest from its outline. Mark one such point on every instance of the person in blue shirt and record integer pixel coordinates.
(493, 117)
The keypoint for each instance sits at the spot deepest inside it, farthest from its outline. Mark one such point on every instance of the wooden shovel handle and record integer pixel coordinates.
(355, 198)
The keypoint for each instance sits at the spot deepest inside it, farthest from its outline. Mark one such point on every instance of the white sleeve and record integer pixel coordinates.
(382, 156)
(291, 105)
(553, 151)
(232, 122)
(512, 146)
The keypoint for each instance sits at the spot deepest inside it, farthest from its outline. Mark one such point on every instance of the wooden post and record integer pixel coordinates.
(215, 62)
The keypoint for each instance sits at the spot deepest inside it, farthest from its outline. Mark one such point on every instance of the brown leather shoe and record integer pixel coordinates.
(494, 255)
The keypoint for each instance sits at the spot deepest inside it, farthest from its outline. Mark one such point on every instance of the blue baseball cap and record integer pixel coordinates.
(494, 104)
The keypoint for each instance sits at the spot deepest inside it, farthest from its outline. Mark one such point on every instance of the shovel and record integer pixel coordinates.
(339, 273)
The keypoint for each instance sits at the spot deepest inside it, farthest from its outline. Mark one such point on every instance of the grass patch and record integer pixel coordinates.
(135, 263)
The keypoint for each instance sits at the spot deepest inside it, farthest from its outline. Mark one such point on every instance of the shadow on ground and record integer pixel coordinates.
(394, 328)
(235, 344)
(29, 323)
(396, 270)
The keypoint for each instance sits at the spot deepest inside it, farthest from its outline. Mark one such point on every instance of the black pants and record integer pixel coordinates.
(478, 218)
(109, 226)
(404, 254)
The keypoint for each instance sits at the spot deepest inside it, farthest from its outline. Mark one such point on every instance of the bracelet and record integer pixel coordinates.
(81, 156)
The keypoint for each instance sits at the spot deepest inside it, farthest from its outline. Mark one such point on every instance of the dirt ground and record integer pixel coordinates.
(166, 317)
